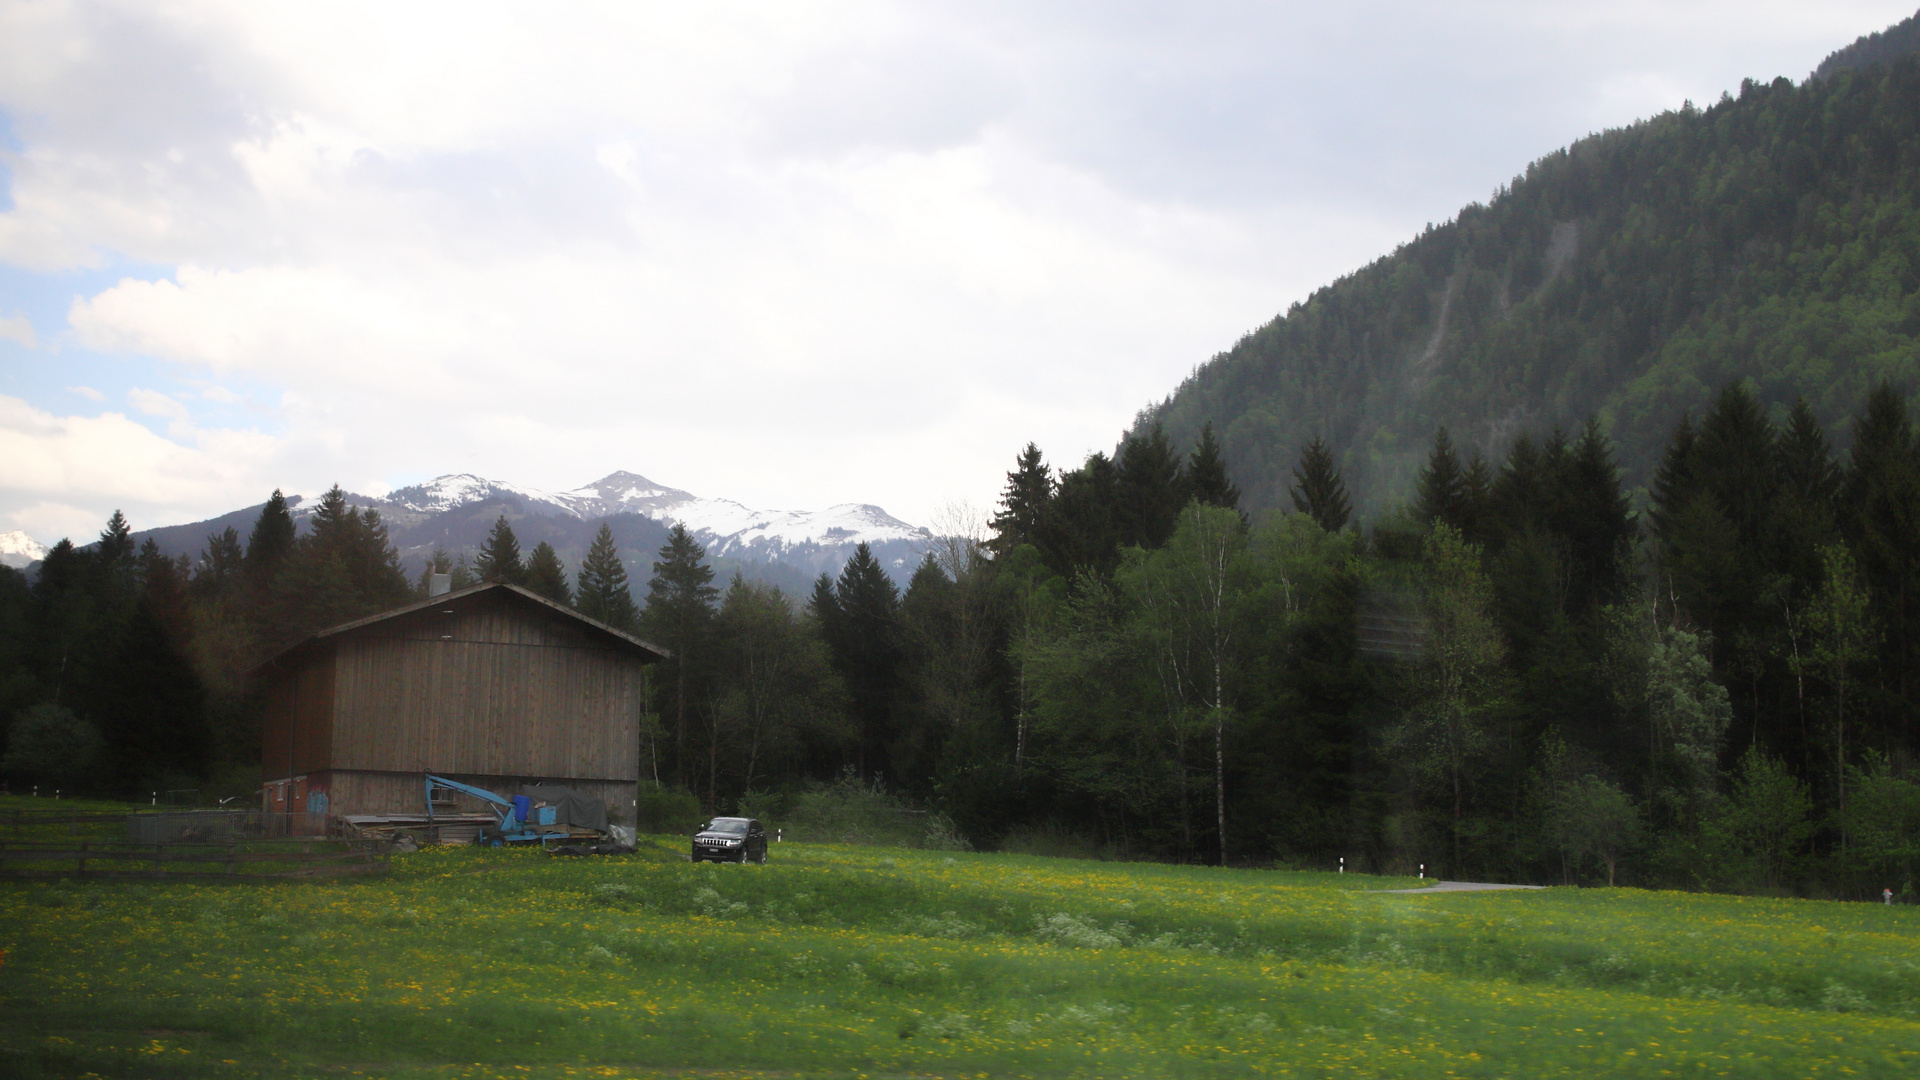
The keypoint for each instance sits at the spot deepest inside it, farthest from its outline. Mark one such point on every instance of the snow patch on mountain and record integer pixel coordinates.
(724, 526)
(19, 550)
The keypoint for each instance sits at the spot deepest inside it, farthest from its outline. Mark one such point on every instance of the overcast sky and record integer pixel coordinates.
(789, 254)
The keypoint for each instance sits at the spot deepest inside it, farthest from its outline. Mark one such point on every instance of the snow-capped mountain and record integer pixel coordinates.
(453, 513)
(19, 550)
(725, 527)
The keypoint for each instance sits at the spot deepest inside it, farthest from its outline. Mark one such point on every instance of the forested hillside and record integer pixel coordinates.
(1773, 238)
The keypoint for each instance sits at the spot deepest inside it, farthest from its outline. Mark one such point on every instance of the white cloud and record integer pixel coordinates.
(17, 328)
(155, 403)
(792, 255)
(63, 470)
(88, 392)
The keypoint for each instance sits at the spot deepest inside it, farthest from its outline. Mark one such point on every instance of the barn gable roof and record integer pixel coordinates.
(614, 636)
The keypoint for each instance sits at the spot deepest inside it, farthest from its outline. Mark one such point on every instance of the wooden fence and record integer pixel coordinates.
(234, 860)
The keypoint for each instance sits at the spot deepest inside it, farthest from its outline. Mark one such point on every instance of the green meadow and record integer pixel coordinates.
(862, 961)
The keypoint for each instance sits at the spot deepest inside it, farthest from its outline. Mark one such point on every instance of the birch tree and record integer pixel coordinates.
(1461, 677)
(1188, 593)
(1841, 637)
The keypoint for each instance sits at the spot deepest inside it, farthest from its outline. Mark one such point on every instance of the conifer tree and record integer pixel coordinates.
(602, 584)
(1593, 518)
(222, 562)
(344, 568)
(1518, 499)
(1803, 519)
(1441, 495)
(116, 540)
(1735, 458)
(271, 540)
(1317, 489)
(153, 714)
(868, 652)
(679, 615)
(1476, 492)
(1085, 530)
(1883, 500)
(1150, 489)
(1807, 468)
(546, 575)
(1207, 473)
(374, 564)
(1023, 503)
(499, 558)
(163, 587)
(824, 606)
(1673, 480)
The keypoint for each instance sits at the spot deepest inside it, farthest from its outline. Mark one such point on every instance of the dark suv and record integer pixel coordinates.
(731, 839)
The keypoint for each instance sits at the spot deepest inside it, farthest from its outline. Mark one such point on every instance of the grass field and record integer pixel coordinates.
(869, 961)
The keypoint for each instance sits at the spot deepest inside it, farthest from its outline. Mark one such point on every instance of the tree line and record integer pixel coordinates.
(1516, 675)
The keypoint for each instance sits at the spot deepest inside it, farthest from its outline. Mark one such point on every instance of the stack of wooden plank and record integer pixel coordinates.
(442, 828)
(449, 828)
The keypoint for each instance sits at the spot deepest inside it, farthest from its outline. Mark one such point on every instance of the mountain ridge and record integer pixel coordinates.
(454, 511)
(1772, 237)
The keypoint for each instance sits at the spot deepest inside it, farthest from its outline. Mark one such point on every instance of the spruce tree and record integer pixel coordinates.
(1150, 488)
(1441, 494)
(1673, 480)
(824, 606)
(1518, 499)
(1085, 530)
(222, 562)
(499, 558)
(1317, 489)
(1883, 521)
(271, 540)
(1807, 467)
(1023, 503)
(163, 587)
(869, 653)
(1476, 493)
(154, 716)
(1736, 459)
(374, 564)
(1805, 516)
(546, 575)
(602, 584)
(345, 568)
(679, 615)
(116, 540)
(1207, 473)
(1593, 519)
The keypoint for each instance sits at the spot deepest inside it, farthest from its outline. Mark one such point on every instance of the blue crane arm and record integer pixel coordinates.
(502, 805)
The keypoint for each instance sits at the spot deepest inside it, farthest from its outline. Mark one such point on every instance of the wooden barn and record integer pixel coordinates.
(493, 685)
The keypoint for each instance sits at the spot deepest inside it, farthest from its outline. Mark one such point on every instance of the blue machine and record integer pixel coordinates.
(520, 821)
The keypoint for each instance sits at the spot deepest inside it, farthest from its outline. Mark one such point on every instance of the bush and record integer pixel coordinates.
(767, 807)
(849, 811)
(1053, 841)
(662, 809)
(48, 744)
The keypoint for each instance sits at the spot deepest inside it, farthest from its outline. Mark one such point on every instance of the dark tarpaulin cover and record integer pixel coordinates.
(572, 808)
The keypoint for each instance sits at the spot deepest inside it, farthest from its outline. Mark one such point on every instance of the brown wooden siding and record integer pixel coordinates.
(486, 689)
(302, 694)
(355, 792)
